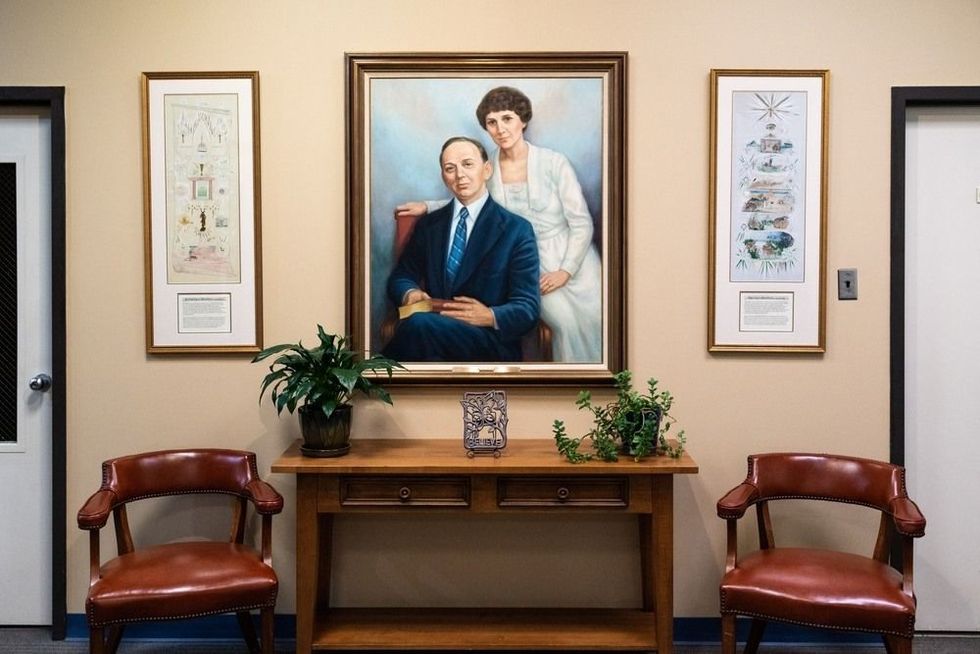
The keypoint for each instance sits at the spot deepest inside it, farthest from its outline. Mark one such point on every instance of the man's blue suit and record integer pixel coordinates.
(499, 268)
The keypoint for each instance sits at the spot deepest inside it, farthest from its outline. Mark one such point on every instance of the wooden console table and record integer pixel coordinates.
(434, 475)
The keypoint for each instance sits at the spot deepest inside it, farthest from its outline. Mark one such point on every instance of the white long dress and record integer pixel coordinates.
(552, 201)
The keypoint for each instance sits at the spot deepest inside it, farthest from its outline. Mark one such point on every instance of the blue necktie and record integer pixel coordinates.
(456, 250)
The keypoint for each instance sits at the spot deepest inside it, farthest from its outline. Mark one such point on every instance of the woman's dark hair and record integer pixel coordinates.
(504, 98)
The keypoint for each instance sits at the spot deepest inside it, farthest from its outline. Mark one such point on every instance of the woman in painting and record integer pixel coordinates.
(540, 185)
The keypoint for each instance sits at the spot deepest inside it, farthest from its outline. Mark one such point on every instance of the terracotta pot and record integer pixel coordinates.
(322, 436)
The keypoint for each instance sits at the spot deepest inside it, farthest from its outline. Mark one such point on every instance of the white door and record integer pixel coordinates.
(25, 355)
(942, 359)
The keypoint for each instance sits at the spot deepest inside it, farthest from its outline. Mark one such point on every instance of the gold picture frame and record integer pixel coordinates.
(767, 242)
(401, 108)
(202, 212)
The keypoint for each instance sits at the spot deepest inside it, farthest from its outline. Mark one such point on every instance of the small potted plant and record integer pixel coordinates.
(321, 381)
(635, 424)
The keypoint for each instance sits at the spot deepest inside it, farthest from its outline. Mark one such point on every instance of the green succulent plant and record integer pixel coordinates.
(635, 423)
(323, 377)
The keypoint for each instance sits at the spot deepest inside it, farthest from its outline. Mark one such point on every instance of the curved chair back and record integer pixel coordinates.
(827, 477)
(178, 472)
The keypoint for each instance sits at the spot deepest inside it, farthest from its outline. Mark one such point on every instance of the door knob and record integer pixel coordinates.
(40, 382)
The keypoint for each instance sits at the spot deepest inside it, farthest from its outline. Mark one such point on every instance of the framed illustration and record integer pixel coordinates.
(202, 212)
(533, 293)
(767, 211)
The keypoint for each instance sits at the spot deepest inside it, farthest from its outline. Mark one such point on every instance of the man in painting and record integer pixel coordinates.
(482, 258)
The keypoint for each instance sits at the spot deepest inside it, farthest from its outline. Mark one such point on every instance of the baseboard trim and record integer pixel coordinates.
(708, 630)
(212, 627)
(686, 630)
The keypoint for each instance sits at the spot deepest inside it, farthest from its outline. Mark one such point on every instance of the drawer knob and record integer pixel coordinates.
(563, 494)
(404, 493)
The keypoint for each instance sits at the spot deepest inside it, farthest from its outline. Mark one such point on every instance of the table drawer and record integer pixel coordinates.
(582, 492)
(405, 491)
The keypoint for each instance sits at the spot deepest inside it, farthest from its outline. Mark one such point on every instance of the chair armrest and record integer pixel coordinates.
(737, 500)
(96, 510)
(909, 520)
(266, 499)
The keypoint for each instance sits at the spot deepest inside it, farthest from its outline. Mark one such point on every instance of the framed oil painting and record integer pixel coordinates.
(202, 212)
(529, 288)
(767, 211)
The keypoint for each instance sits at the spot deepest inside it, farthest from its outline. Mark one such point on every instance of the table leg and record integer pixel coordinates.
(661, 561)
(307, 564)
(646, 558)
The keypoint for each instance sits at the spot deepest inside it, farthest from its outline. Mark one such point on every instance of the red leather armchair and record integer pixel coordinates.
(815, 587)
(182, 579)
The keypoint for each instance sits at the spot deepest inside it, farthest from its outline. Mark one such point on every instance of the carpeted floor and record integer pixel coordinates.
(17, 640)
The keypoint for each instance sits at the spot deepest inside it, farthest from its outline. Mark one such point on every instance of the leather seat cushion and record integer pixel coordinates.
(821, 588)
(179, 580)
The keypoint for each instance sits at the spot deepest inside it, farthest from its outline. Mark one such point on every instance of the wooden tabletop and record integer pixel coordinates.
(447, 456)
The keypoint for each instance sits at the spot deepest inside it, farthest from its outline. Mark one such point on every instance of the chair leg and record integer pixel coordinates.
(96, 640)
(897, 644)
(248, 631)
(728, 633)
(268, 630)
(113, 638)
(755, 636)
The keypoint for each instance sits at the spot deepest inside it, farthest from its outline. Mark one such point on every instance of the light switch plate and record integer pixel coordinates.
(847, 284)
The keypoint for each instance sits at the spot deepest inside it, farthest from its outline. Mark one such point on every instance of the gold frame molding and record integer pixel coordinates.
(610, 67)
(245, 325)
(806, 319)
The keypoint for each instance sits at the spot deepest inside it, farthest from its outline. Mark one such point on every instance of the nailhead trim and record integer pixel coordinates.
(908, 634)
(270, 603)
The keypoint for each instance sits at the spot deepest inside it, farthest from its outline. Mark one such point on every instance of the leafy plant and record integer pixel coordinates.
(324, 377)
(635, 423)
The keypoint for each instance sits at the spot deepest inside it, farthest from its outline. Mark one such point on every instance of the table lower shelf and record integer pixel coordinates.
(486, 629)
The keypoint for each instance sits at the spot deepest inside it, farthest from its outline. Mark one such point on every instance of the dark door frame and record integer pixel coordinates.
(903, 99)
(53, 99)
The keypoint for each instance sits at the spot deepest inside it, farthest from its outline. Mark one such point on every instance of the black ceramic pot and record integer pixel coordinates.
(323, 436)
(647, 419)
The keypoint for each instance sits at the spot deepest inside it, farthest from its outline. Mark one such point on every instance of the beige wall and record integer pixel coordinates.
(122, 401)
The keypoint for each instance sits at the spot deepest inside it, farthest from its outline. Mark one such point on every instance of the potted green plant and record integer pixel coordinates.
(635, 424)
(321, 381)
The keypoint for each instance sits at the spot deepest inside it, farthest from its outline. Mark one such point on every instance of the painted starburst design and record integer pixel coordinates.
(772, 107)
